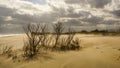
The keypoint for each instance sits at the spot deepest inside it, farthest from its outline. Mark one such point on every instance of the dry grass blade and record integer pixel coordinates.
(6, 50)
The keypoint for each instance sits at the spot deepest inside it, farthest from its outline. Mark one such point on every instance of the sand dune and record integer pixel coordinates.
(97, 52)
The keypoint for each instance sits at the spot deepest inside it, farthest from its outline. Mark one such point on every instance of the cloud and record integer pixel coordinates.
(37, 1)
(92, 3)
(116, 12)
(25, 7)
(14, 16)
(79, 14)
(93, 20)
(98, 3)
(75, 1)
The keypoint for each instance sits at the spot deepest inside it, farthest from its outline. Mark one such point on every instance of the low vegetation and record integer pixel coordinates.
(112, 32)
(39, 39)
(6, 50)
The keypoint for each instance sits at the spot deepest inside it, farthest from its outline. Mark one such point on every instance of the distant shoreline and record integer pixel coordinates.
(9, 35)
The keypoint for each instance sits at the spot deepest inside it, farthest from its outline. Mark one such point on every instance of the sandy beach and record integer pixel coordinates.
(97, 52)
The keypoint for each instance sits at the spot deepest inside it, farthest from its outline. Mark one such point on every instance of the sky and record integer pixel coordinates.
(77, 14)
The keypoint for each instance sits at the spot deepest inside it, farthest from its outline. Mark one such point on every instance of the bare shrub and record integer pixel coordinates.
(32, 45)
(70, 44)
(75, 45)
(58, 28)
(43, 34)
(67, 42)
(48, 42)
(63, 44)
(71, 35)
(38, 39)
(6, 50)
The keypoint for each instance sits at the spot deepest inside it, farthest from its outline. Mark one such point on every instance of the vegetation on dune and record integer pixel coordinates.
(112, 32)
(6, 50)
(38, 39)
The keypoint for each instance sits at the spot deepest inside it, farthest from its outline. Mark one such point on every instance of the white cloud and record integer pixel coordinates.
(114, 5)
(8, 18)
(25, 7)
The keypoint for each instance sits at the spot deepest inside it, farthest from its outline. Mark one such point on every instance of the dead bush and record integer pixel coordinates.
(38, 39)
(33, 44)
(58, 29)
(75, 45)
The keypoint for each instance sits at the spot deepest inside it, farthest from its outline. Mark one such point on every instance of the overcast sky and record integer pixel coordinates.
(78, 14)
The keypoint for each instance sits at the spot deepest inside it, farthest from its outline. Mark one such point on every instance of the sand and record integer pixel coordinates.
(97, 52)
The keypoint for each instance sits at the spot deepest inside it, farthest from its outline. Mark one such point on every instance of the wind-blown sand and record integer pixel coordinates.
(97, 52)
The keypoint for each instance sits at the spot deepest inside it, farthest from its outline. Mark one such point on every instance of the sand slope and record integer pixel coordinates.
(97, 52)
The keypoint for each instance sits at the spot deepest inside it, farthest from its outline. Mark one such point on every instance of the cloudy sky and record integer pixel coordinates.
(78, 14)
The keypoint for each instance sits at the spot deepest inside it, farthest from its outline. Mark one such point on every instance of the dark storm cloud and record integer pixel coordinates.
(93, 20)
(1, 21)
(111, 22)
(4, 11)
(116, 13)
(92, 3)
(75, 1)
(12, 26)
(98, 3)
(19, 20)
(71, 13)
